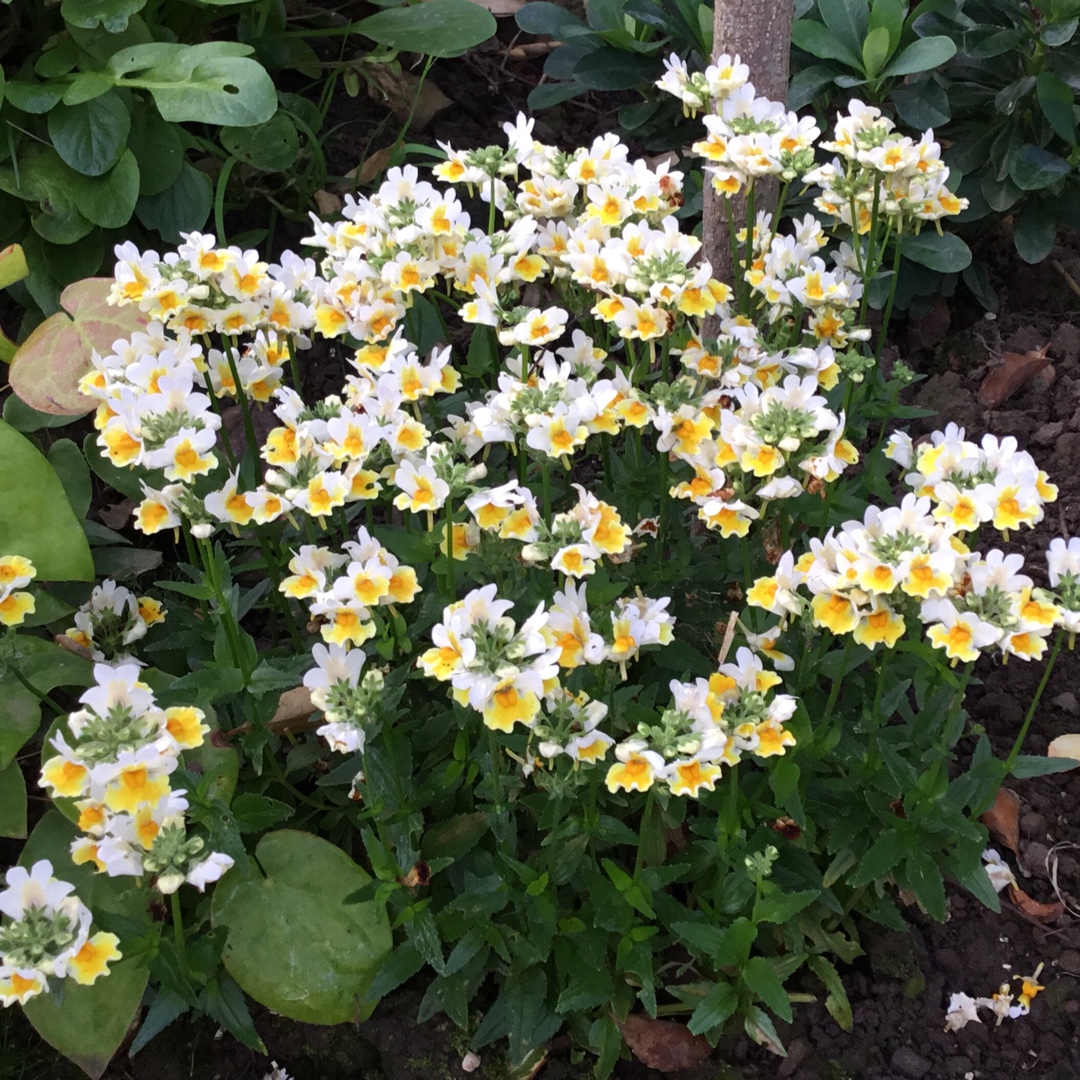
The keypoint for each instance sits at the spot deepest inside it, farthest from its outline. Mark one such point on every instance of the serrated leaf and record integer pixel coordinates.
(760, 977)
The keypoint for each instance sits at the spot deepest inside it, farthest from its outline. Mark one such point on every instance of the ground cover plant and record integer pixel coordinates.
(560, 593)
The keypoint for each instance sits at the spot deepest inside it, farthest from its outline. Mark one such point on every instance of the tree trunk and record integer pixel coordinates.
(759, 32)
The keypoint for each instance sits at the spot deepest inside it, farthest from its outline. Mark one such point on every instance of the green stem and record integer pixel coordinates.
(450, 547)
(887, 314)
(232, 631)
(245, 410)
(496, 769)
(42, 697)
(834, 690)
(545, 478)
(1010, 761)
(749, 244)
(178, 929)
(646, 816)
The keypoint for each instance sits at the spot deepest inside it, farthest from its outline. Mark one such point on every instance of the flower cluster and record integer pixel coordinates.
(123, 749)
(112, 619)
(347, 696)
(15, 574)
(1063, 564)
(47, 936)
(909, 562)
(342, 588)
(710, 723)
(971, 484)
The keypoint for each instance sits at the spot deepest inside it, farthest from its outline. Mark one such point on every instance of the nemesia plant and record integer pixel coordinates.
(690, 672)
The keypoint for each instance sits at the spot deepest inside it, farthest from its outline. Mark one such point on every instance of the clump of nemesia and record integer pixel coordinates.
(117, 767)
(15, 574)
(1063, 564)
(710, 723)
(973, 484)
(347, 697)
(113, 618)
(47, 936)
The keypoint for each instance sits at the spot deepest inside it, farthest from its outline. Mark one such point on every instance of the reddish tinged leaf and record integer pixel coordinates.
(1003, 819)
(1013, 373)
(46, 368)
(663, 1044)
(1035, 909)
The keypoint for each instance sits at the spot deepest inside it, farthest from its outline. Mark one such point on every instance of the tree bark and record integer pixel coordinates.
(759, 32)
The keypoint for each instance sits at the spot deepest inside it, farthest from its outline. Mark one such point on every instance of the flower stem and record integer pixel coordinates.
(178, 929)
(1010, 761)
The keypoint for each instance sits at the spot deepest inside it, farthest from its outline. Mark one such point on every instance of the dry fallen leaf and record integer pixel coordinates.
(117, 515)
(293, 711)
(1013, 373)
(73, 646)
(398, 90)
(663, 1044)
(1003, 819)
(328, 203)
(374, 164)
(1035, 909)
(1065, 746)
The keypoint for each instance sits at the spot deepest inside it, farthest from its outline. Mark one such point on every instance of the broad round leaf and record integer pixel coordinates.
(91, 137)
(437, 28)
(109, 201)
(216, 82)
(272, 147)
(922, 55)
(111, 15)
(293, 944)
(33, 97)
(43, 178)
(46, 370)
(946, 252)
(922, 105)
(1033, 168)
(38, 522)
(1034, 231)
(808, 83)
(183, 207)
(543, 17)
(821, 42)
(90, 1022)
(157, 148)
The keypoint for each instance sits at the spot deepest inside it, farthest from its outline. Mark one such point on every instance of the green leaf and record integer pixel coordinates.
(158, 149)
(875, 51)
(91, 137)
(1033, 168)
(12, 265)
(944, 252)
(66, 459)
(46, 370)
(33, 97)
(819, 41)
(1056, 34)
(109, 201)
(256, 813)
(271, 147)
(293, 945)
(781, 907)
(38, 522)
(882, 856)
(111, 15)
(183, 207)
(1028, 765)
(12, 802)
(922, 55)
(924, 878)
(922, 105)
(1056, 101)
(45, 179)
(608, 68)
(1034, 233)
(90, 1022)
(847, 19)
(717, 1005)
(888, 14)
(436, 28)
(541, 17)
(808, 83)
(837, 1002)
(215, 82)
(760, 977)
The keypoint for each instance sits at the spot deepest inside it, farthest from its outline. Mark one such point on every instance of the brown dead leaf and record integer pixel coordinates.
(1035, 909)
(293, 712)
(73, 646)
(373, 165)
(1013, 373)
(117, 515)
(1065, 746)
(328, 203)
(398, 89)
(1003, 819)
(663, 1044)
